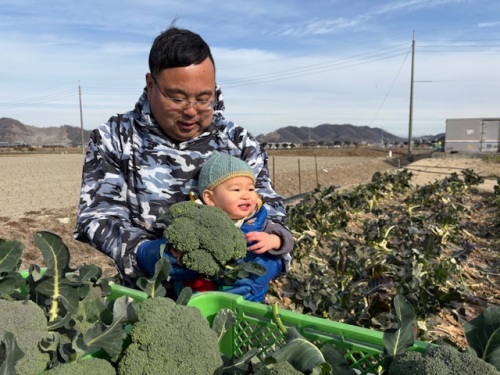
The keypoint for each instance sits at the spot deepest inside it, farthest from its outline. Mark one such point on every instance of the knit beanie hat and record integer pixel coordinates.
(221, 167)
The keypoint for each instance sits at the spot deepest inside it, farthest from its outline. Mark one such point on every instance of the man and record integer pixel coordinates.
(141, 162)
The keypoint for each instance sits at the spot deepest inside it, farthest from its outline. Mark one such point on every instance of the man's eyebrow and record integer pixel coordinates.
(174, 90)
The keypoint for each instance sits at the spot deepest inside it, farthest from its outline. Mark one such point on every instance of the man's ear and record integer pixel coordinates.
(207, 197)
(149, 83)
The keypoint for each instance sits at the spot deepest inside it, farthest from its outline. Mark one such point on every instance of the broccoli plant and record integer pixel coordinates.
(357, 248)
(481, 357)
(64, 301)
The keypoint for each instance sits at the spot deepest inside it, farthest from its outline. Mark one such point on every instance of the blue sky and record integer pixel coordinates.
(280, 63)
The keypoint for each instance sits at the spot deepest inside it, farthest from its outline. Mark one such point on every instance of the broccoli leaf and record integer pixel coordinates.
(10, 258)
(396, 341)
(483, 335)
(87, 272)
(12, 353)
(240, 365)
(55, 253)
(339, 365)
(240, 270)
(184, 296)
(109, 337)
(53, 283)
(223, 322)
(299, 352)
(10, 255)
(153, 287)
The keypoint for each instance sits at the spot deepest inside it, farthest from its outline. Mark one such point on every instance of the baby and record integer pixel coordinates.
(229, 183)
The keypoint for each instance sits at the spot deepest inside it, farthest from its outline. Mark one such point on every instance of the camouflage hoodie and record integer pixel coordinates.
(132, 173)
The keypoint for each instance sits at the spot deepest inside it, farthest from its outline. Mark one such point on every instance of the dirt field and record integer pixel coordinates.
(40, 192)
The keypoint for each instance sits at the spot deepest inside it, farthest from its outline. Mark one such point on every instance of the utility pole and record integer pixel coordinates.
(81, 117)
(410, 122)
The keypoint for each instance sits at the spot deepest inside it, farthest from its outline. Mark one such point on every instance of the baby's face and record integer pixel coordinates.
(237, 196)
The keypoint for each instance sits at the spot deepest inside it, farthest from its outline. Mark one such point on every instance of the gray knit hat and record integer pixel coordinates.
(221, 167)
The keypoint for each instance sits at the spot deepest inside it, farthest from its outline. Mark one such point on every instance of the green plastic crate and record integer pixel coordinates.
(255, 327)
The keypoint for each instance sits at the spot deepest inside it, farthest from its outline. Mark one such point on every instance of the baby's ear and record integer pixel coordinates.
(207, 197)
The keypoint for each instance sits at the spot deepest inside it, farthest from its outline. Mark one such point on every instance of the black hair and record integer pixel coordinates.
(175, 48)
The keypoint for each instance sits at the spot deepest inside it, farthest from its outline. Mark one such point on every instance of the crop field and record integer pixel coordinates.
(41, 191)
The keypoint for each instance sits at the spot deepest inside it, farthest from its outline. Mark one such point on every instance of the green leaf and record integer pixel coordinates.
(55, 253)
(10, 258)
(397, 341)
(11, 353)
(483, 335)
(110, 337)
(302, 354)
(240, 365)
(223, 322)
(253, 268)
(153, 287)
(10, 255)
(53, 284)
(90, 308)
(50, 343)
(339, 365)
(10, 282)
(88, 272)
(184, 296)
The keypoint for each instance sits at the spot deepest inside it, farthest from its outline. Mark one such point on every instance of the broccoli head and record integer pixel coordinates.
(441, 360)
(205, 235)
(84, 367)
(27, 321)
(169, 338)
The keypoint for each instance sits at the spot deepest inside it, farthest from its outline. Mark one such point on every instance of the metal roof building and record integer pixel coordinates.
(473, 135)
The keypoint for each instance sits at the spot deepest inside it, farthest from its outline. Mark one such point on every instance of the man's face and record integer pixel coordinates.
(181, 121)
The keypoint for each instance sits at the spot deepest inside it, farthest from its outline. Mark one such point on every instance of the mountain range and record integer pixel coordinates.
(15, 132)
(329, 134)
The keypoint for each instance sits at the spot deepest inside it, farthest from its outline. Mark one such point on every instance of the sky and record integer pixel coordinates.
(279, 63)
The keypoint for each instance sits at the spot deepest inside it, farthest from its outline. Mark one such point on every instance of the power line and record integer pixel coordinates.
(330, 65)
(368, 57)
(390, 88)
(40, 99)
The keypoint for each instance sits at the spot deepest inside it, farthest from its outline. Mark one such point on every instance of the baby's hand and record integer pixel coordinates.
(262, 242)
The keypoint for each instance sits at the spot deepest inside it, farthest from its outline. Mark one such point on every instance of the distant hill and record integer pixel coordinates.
(15, 132)
(12, 131)
(329, 133)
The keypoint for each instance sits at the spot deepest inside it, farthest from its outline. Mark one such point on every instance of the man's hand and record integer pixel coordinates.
(149, 252)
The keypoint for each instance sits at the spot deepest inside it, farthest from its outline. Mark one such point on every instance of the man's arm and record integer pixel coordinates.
(104, 217)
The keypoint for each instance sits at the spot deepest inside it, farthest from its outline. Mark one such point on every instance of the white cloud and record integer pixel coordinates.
(279, 64)
(489, 24)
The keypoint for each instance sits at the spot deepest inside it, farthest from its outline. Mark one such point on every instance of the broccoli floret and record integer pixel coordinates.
(441, 360)
(460, 362)
(170, 339)
(27, 321)
(205, 235)
(84, 367)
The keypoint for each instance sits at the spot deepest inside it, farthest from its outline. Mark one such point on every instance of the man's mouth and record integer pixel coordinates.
(187, 125)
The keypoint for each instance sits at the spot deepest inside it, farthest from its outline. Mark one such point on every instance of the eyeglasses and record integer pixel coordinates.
(200, 105)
